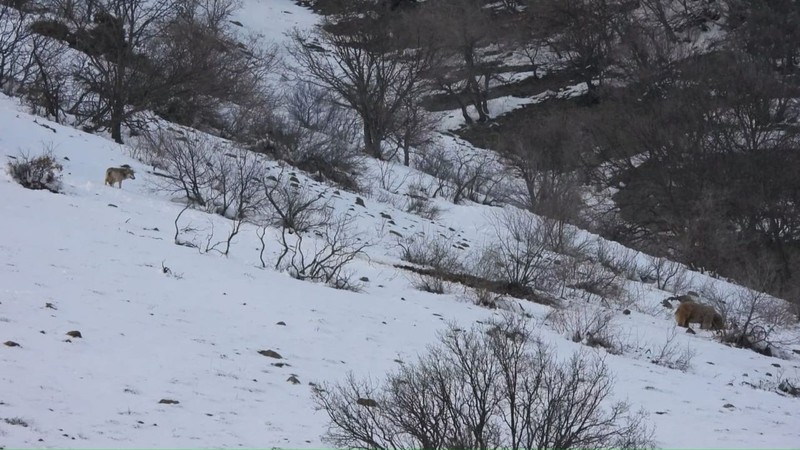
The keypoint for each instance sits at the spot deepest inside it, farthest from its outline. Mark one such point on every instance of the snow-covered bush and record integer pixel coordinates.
(37, 172)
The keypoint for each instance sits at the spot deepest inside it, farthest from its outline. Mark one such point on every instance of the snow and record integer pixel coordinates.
(192, 334)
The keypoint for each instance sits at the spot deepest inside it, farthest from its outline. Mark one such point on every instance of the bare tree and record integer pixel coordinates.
(115, 76)
(461, 29)
(484, 389)
(584, 33)
(364, 67)
(15, 62)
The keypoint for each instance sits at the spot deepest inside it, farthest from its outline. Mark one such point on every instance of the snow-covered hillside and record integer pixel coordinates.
(160, 321)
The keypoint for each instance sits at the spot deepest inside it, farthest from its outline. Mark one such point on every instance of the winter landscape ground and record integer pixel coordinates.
(160, 321)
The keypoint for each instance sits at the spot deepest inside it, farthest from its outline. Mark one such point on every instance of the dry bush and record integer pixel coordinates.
(481, 296)
(324, 257)
(753, 318)
(484, 389)
(419, 202)
(321, 137)
(670, 354)
(188, 160)
(429, 283)
(463, 175)
(591, 279)
(517, 255)
(36, 172)
(430, 250)
(669, 275)
(293, 206)
(623, 264)
(588, 325)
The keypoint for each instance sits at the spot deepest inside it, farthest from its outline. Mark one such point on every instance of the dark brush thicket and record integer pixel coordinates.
(698, 142)
(689, 116)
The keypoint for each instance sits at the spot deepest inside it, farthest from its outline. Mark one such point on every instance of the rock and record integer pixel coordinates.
(386, 216)
(364, 279)
(281, 323)
(49, 306)
(270, 354)
(360, 202)
(11, 344)
(690, 331)
(281, 364)
(368, 402)
(167, 401)
(728, 405)
(627, 312)
(74, 334)
(293, 379)
(113, 205)
(775, 365)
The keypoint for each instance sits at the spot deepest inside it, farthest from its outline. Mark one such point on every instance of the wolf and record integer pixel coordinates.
(691, 312)
(118, 174)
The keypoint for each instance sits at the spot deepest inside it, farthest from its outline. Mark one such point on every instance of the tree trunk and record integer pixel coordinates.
(372, 141)
(116, 123)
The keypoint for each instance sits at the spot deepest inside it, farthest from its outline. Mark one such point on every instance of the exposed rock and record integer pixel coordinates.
(270, 354)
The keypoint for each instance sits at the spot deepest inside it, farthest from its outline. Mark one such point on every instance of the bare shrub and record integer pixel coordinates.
(463, 175)
(591, 278)
(36, 172)
(669, 275)
(754, 319)
(293, 206)
(430, 250)
(420, 204)
(495, 388)
(517, 255)
(321, 136)
(49, 90)
(670, 354)
(428, 283)
(623, 264)
(482, 296)
(588, 325)
(188, 159)
(322, 259)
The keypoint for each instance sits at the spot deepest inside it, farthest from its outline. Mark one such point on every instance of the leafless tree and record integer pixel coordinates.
(362, 65)
(460, 30)
(15, 61)
(484, 389)
(584, 33)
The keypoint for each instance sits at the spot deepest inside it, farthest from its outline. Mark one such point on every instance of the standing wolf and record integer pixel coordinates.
(118, 174)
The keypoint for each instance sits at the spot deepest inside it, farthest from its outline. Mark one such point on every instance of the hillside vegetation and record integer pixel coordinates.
(399, 224)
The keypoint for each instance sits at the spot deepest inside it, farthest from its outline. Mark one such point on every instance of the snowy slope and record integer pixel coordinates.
(97, 255)
(194, 336)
